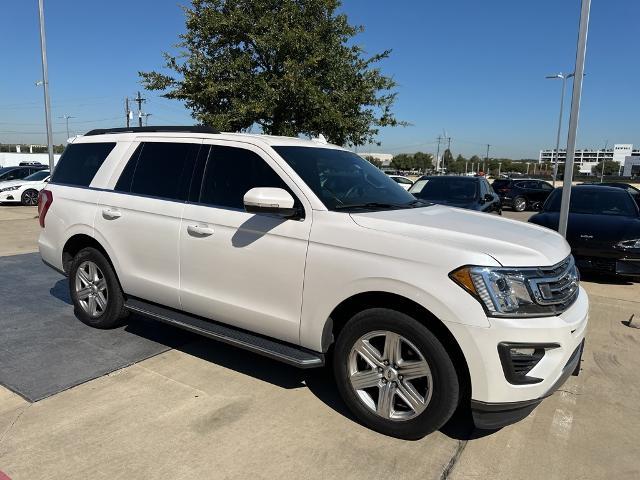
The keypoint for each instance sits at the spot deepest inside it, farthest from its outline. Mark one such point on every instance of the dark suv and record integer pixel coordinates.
(18, 173)
(523, 193)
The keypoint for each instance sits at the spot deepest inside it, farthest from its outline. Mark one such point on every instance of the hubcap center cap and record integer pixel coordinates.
(390, 374)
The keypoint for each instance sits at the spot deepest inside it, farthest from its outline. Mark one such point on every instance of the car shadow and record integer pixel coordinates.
(60, 290)
(319, 381)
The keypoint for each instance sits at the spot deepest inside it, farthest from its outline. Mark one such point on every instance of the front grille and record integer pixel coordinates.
(557, 285)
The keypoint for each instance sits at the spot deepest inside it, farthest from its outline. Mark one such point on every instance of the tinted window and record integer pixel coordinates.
(159, 170)
(545, 186)
(454, 189)
(596, 201)
(343, 180)
(14, 174)
(501, 183)
(231, 172)
(41, 175)
(80, 162)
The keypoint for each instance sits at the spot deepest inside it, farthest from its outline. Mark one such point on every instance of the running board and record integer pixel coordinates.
(277, 350)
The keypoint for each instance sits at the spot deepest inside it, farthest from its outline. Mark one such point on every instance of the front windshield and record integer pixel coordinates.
(595, 201)
(450, 189)
(37, 176)
(344, 180)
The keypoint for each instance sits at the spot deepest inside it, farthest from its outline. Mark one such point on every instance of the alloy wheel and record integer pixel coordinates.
(520, 204)
(390, 375)
(30, 197)
(91, 289)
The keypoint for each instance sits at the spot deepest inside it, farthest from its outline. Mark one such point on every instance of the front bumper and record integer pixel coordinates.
(9, 197)
(497, 415)
(490, 389)
(613, 262)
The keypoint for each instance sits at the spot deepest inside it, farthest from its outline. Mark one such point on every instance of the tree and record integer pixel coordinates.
(610, 168)
(289, 66)
(373, 161)
(423, 161)
(447, 158)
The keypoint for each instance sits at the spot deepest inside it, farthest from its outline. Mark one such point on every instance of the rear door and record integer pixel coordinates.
(245, 269)
(140, 219)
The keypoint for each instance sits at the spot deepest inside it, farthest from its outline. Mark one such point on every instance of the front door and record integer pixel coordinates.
(240, 268)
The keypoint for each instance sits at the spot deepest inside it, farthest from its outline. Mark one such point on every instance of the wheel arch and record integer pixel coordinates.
(344, 311)
(77, 242)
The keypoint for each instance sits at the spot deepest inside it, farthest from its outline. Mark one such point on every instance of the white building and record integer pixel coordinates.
(587, 158)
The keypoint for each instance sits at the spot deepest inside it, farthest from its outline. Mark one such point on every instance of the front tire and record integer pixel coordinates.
(29, 198)
(394, 374)
(519, 204)
(95, 291)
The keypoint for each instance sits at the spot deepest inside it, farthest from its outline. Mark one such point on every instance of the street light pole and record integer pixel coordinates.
(45, 83)
(564, 78)
(573, 117)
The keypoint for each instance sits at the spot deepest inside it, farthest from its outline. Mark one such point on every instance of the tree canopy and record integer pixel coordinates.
(416, 161)
(289, 66)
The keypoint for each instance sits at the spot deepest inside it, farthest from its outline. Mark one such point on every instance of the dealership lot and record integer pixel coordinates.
(149, 401)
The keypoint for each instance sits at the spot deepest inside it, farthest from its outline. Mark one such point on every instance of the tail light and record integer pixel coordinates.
(45, 199)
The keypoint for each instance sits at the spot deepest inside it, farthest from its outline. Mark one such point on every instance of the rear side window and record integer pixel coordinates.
(80, 162)
(231, 172)
(160, 170)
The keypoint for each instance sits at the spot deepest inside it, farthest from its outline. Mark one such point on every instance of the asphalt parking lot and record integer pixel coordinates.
(146, 401)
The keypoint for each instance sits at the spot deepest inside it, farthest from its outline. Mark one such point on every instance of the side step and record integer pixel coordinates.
(275, 349)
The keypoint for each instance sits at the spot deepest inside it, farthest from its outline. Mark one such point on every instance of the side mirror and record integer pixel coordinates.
(274, 201)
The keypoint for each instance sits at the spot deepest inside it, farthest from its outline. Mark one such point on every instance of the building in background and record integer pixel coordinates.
(12, 159)
(385, 158)
(587, 158)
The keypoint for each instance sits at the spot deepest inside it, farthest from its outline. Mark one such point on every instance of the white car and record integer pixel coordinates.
(404, 182)
(24, 191)
(299, 250)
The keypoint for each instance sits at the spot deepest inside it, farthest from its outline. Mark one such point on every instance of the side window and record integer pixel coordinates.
(159, 170)
(231, 172)
(80, 163)
(546, 186)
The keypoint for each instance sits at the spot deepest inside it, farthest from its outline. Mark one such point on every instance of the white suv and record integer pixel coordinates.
(303, 251)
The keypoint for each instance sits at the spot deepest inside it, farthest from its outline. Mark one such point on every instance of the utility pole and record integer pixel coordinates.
(127, 111)
(146, 118)
(139, 101)
(438, 156)
(486, 158)
(45, 84)
(67, 117)
(581, 51)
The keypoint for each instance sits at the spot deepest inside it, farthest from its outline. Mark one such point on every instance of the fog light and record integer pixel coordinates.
(519, 359)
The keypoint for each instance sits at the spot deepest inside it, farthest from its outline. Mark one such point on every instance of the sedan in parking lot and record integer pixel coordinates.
(472, 193)
(633, 191)
(522, 194)
(603, 228)
(404, 182)
(24, 191)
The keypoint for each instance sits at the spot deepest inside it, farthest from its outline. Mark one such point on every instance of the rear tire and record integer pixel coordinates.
(95, 291)
(519, 204)
(410, 396)
(29, 198)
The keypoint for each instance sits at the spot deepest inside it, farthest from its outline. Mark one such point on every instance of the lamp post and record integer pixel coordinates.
(45, 84)
(563, 77)
(576, 96)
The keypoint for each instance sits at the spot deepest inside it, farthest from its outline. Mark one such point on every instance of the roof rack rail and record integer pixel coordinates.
(166, 128)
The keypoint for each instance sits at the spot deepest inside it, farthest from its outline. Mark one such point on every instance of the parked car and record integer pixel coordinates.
(31, 163)
(404, 182)
(24, 191)
(473, 193)
(522, 194)
(297, 250)
(603, 228)
(17, 173)
(633, 191)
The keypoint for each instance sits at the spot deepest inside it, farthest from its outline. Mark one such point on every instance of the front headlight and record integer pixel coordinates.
(629, 244)
(10, 189)
(512, 292)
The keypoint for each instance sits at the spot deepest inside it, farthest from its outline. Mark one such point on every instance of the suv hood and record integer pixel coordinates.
(510, 242)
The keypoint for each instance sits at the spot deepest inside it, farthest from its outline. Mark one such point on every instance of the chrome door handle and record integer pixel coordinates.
(199, 230)
(111, 214)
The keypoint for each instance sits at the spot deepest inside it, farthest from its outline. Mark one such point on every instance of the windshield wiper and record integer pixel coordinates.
(369, 205)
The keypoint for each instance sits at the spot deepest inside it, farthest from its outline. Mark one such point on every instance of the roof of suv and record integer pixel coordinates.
(123, 134)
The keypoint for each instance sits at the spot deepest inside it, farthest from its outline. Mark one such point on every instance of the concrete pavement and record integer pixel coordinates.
(206, 410)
